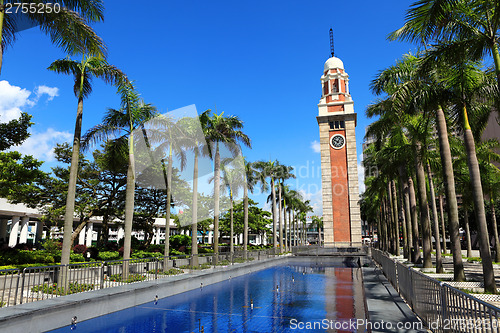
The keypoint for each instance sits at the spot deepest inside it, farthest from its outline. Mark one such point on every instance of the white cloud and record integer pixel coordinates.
(50, 91)
(361, 175)
(12, 100)
(315, 146)
(41, 145)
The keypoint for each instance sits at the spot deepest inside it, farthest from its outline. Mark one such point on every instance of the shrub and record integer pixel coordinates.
(72, 288)
(177, 241)
(131, 278)
(52, 246)
(155, 248)
(205, 250)
(174, 252)
(144, 254)
(171, 271)
(135, 243)
(108, 255)
(80, 248)
(76, 257)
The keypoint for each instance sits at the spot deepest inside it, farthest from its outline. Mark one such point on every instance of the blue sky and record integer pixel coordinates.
(259, 60)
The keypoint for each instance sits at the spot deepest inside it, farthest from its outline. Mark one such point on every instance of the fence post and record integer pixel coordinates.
(102, 281)
(442, 291)
(22, 287)
(157, 267)
(21, 276)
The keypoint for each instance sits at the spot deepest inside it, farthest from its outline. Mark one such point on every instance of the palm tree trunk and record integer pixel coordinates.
(439, 260)
(70, 198)
(396, 219)
(451, 197)
(496, 59)
(415, 257)
(385, 228)
(273, 198)
(245, 220)
(390, 224)
(194, 218)
(403, 217)
(424, 210)
(285, 227)
(467, 233)
(129, 206)
(231, 227)
(280, 218)
(168, 181)
(495, 227)
(443, 229)
(295, 229)
(291, 228)
(408, 217)
(477, 193)
(216, 201)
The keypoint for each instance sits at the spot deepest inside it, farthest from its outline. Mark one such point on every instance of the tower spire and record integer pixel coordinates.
(331, 43)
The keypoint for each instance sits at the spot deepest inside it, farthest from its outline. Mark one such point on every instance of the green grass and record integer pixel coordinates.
(73, 288)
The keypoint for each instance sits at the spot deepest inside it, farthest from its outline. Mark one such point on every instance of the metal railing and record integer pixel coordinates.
(44, 282)
(341, 249)
(441, 307)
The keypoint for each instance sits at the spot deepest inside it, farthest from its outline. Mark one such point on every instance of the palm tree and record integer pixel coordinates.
(168, 138)
(249, 184)
(122, 124)
(192, 131)
(67, 28)
(318, 223)
(285, 172)
(408, 83)
(82, 73)
(470, 28)
(269, 170)
(234, 179)
(221, 130)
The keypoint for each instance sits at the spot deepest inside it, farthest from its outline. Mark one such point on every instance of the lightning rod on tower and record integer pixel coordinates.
(331, 42)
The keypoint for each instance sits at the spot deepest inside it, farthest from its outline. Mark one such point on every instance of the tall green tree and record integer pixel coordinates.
(269, 169)
(220, 129)
(120, 124)
(82, 72)
(250, 182)
(67, 26)
(457, 26)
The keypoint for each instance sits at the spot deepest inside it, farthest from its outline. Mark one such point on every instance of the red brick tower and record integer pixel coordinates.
(339, 172)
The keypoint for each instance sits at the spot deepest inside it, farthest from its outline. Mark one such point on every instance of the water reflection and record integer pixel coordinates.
(308, 292)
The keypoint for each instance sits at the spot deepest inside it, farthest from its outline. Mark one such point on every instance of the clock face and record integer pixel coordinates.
(337, 141)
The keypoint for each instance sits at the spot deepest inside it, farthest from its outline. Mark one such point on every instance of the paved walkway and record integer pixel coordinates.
(386, 309)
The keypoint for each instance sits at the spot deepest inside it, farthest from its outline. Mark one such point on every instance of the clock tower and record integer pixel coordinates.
(339, 169)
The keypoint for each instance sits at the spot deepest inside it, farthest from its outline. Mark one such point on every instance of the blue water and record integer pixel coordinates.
(305, 293)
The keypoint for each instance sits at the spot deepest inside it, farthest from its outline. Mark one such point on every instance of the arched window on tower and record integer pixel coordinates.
(335, 88)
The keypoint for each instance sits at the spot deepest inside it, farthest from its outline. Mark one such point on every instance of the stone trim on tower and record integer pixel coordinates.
(341, 213)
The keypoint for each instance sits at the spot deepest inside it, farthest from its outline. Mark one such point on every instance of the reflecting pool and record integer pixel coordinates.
(285, 298)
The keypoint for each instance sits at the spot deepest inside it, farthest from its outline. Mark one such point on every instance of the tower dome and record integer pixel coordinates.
(333, 63)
